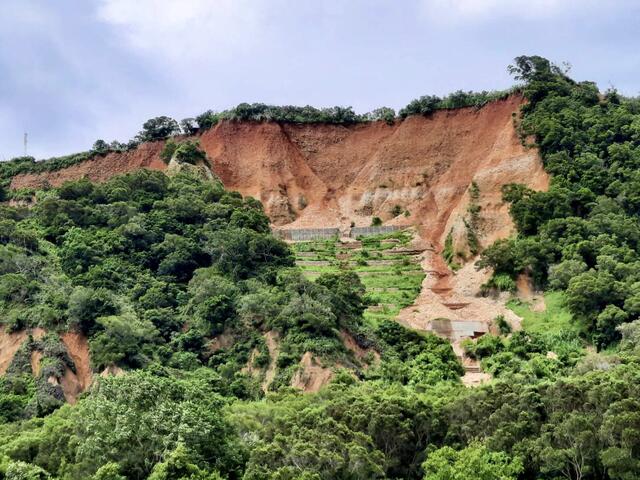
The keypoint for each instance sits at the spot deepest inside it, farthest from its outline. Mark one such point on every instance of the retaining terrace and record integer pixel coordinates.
(306, 234)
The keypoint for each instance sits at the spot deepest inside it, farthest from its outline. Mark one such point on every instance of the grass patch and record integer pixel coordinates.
(555, 319)
(393, 286)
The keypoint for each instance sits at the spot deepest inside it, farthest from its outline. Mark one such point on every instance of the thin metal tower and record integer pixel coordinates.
(25, 144)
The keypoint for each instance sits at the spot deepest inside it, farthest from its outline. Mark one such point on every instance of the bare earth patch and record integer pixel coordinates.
(75, 383)
(9, 345)
(274, 350)
(311, 375)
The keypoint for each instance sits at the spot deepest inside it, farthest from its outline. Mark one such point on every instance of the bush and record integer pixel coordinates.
(86, 305)
(499, 282)
(158, 128)
(386, 114)
(561, 273)
(503, 326)
(168, 150)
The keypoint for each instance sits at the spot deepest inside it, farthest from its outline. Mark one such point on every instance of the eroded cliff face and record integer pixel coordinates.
(321, 176)
(98, 169)
(317, 175)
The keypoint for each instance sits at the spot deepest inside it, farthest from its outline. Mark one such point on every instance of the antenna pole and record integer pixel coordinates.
(25, 144)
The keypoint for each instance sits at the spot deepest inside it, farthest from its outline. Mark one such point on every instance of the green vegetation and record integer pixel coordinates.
(449, 254)
(187, 151)
(428, 104)
(555, 317)
(158, 128)
(582, 236)
(152, 268)
(473, 220)
(391, 280)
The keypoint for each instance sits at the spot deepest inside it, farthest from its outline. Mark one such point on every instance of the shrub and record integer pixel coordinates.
(158, 128)
(385, 114)
(499, 282)
(188, 151)
(168, 150)
(503, 326)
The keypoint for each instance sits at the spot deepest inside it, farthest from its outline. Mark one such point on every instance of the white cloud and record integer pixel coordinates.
(479, 10)
(186, 28)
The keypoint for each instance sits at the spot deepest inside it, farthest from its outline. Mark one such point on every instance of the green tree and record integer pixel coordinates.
(86, 305)
(158, 128)
(474, 462)
(122, 340)
(109, 471)
(137, 420)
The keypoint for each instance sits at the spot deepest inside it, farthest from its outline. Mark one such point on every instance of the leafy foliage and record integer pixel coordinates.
(581, 236)
(428, 104)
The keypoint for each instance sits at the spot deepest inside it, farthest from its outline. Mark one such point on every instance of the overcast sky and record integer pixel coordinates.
(72, 71)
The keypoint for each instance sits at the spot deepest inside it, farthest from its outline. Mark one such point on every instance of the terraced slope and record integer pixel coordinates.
(389, 269)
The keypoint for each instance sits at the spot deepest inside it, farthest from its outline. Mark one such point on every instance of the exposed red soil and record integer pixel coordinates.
(97, 169)
(359, 352)
(36, 357)
(75, 383)
(311, 376)
(321, 175)
(274, 350)
(77, 346)
(224, 340)
(9, 345)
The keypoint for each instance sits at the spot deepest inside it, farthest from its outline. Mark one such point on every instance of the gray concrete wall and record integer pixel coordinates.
(370, 231)
(306, 234)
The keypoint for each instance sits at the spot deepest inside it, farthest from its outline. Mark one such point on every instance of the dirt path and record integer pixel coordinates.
(274, 350)
(449, 305)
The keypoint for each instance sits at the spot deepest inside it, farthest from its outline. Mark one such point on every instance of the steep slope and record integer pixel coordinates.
(318, 175)
(325, 175)
(99, 169)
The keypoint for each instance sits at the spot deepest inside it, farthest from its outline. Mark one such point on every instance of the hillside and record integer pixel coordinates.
(415, 172)
(157, 325)
(323, 175)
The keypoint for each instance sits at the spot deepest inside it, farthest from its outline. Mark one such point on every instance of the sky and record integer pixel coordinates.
(73, 71)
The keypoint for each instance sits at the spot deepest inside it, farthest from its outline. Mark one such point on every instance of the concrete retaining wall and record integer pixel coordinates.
(305, 234)
(370, 231)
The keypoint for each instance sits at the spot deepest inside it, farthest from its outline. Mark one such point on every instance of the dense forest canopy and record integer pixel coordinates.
(582, 236)
(152, 269)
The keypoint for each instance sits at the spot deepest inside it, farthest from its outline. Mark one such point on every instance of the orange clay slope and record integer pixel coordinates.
(320, 175)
